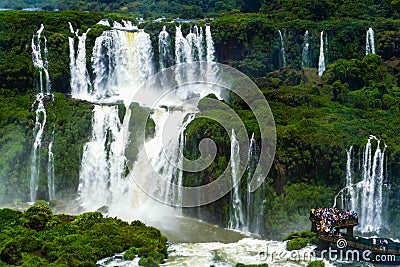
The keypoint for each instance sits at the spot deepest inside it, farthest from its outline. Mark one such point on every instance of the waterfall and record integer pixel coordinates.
(368, 196)
(115, 60)
(191, 40)
(41, 63)
(254, 203)
(282, 54)
(122, 60)
(103, 160)
(370, 42)
(190, 49)
(236, 214)
(109, 63)
(349, 181)
(195, 41)
(210, 45)
(305, 61)
(182, 142)
(38, 129)
(200, 43)
(50, 170)
(372, 188)
(164, 49)
(80, 81)
(182, 48)
(326, 48)
(321, 61)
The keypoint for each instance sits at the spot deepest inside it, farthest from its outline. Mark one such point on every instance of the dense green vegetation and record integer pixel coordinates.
(70, 120)
(316, 264)
(37, 237)
(298, 241)
(143, 8)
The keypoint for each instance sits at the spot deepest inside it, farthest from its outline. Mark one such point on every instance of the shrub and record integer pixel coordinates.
(36, 217)
(11, 253)
(292, 235)
(297, 243)
(130, 253)
(316, 264)
(307, 234)
(148, 262)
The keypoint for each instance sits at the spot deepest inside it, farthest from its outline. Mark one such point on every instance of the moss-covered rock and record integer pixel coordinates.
(300, 240)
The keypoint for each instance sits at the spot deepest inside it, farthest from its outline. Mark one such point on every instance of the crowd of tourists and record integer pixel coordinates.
(329, 217)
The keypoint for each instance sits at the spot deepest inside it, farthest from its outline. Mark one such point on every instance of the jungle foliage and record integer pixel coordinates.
(37, 237)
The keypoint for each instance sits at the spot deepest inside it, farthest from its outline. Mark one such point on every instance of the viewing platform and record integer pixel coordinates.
(329, 222)
(360, 243)
(339, 222)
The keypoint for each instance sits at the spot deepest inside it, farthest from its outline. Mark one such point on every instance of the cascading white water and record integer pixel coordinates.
(236, 220)
(38, 129)
(50, 170)
(282, 53)
(210, 45)
(103, 160)
(191, 49)
(252, 154)
(80, 81)
(109, 63)
(165, 152)
(326, 48)
(372, 186)
(200, 43)
(164, 49)
(305, 60)
(182, 142)
(369, 195)
(122, 61)
(129, 59)
(41, 63)
(370, 42)
(195, 43)
(349, 180)
(321, 60)
(115, 60)
(182, 49)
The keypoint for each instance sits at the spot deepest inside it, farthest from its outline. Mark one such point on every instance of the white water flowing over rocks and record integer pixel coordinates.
(38, 129)
(282, 53)
(221, 254)
(40, 61)
(80, 81)
(321, 60)
(370, 42)
(236, 214)
(305, 55)
(366, 190)
(122, 61)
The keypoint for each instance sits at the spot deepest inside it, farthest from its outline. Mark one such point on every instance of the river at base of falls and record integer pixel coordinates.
(195, 243)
